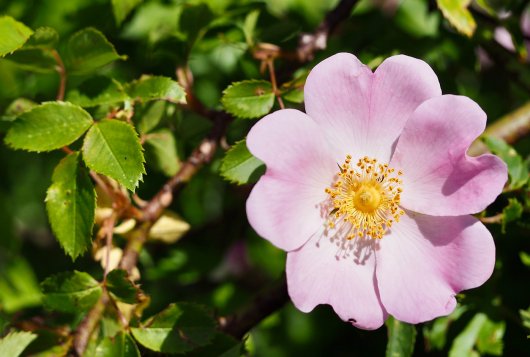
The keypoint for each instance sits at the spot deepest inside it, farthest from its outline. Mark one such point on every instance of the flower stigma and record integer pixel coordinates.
(365, 199)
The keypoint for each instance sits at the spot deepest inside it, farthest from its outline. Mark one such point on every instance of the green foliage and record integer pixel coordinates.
(122, 8)
(112, 148)
(71, 291)
(178, 329)
(71, 203)
(120, 287)
(19, 287)
(156, 88)
(14, 35)
(240, 166)
(161, 151)
(517, 168)
(97, 90)
(456, 12)
(48, 126)
(89, 50)
(15, 343)
(480, 333)
(116, 63)
(401, 338)
(511, 213)
(248, 99)
(121, 345)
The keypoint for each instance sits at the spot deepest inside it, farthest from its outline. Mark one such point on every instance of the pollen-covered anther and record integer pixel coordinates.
(365, 198)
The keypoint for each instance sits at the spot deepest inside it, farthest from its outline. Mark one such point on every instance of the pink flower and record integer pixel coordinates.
(370, 192)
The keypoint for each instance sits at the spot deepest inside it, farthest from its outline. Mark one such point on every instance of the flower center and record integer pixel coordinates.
(365, 200)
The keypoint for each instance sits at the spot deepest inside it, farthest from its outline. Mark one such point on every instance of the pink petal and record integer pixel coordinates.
(283, 207)
(439, 178)
(315, 276)
(426, 260)
(362, 112)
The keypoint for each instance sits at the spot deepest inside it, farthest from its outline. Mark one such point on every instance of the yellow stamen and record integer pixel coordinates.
(365, 196)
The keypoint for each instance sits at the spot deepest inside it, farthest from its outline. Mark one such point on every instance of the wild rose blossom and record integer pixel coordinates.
(370, 192)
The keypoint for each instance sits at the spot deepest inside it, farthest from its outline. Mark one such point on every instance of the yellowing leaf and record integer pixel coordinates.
(169, 228)
(456, 12)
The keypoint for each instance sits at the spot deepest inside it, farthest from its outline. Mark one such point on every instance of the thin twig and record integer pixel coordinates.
(312, 42)
(272, 74)
(62, 74)
(492, 219)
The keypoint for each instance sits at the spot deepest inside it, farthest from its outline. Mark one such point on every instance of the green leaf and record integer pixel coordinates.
(178, 329)
(436, 331)
(401, 338)
(293, 91)
(152, 114)
(122, 8)
(517, 169)
(482, 333)
(19, 287)
(88, 50)
(161, 151)
(490, 338)
(156, 88)
(71, 291)
(71, 204)
(44, 38)
(112, 148)
(525, 317)
(121, 345)
(15, 343)
(14, 35)
(456, 12)
(17, 107)
(248, 99)
(97, 90)
(121, 287)
(525, 258)
(249, 26)
(36, 55)
(511, 213)
(240, 166)
(48, 126)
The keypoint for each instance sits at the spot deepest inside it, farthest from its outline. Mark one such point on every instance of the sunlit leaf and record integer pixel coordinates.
(480, 332)
(112, 148)
(49, 126)
(71, 291)
(169, 228)
(19, 287)
(511, 213)
(15, 343)
(456, 12)
(248, 99)
(240, 166)
(71, 204)
(178, 329)
(14, 35)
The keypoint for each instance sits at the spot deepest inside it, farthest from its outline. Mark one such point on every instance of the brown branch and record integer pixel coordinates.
(510, 128)
(264, 304)
(62, 74)
(492, 219)
(156, 206)
(88, 325)
(310, 43)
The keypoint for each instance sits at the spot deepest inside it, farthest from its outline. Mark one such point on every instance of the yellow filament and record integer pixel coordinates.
(365, 198)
